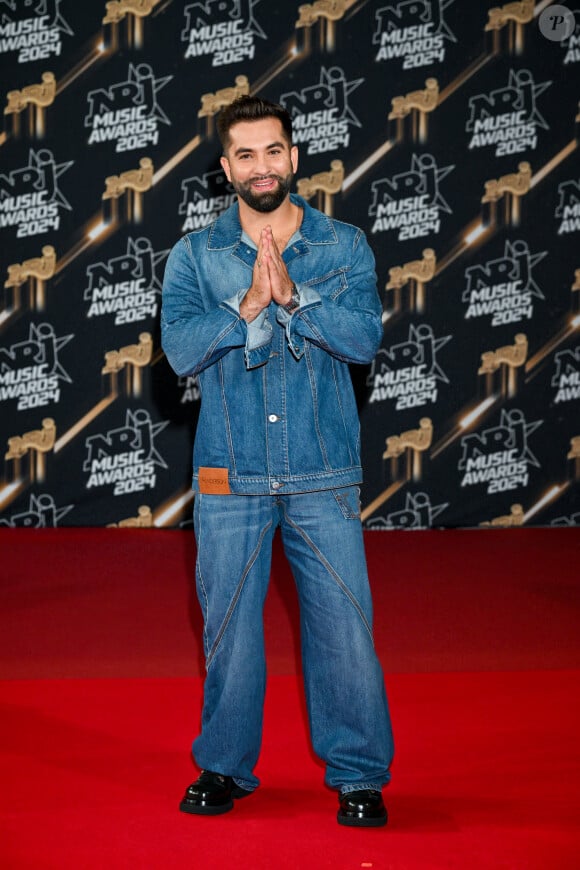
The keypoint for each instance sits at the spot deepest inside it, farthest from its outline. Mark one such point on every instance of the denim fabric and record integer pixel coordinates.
(347, 706)
(278, 409)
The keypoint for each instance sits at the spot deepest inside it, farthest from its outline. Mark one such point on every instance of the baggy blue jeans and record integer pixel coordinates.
(347, 706)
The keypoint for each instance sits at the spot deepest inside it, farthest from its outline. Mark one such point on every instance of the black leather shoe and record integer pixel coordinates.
(362, 809)
(211, 795)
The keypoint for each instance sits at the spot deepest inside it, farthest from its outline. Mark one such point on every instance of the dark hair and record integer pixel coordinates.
(249, 108)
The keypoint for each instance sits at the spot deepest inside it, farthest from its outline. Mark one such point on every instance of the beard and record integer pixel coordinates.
(264, 202)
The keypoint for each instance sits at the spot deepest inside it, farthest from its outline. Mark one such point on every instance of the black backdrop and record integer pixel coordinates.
(446, 129)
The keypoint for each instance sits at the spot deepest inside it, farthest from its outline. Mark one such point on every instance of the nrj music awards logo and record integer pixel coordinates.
(125, 458)
(503, 289)
(413, 30)
(410, 202)
(204, 198)
(190, 391)
(33, 28)
(128, 112)
(568, 208)
(30, 371)
(408, 373)
(30, 199)
(42, 513)
(507, 118)
(321, 115)
(127, 287)
(224, 30)
(566, 379)
(418, 513)
(500, 457)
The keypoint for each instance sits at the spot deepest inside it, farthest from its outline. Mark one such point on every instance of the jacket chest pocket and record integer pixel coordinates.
(330, 285)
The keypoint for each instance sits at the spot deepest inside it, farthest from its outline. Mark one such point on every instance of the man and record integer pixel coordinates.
(268, 306)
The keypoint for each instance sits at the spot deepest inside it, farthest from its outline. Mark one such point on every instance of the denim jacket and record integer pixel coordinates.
(278, 412)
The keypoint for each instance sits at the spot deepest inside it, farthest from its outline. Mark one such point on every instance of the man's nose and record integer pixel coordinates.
(262, 166)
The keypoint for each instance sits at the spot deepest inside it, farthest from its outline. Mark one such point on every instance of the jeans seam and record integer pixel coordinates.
(200, 578)
(236, 596)
(338, 580)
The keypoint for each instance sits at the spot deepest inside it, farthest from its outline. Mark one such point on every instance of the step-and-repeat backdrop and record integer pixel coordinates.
(446, 129)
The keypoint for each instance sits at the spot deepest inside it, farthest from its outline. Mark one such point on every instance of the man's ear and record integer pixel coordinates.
(226, 167)
(294, 157)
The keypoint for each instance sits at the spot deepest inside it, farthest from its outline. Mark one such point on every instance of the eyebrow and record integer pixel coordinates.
(243, 150)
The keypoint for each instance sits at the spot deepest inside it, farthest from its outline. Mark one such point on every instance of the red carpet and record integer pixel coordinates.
(100, 697)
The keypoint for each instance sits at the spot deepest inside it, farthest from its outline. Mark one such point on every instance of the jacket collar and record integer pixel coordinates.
(316, 227)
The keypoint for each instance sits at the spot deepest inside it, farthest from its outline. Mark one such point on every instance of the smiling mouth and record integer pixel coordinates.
(264, 183)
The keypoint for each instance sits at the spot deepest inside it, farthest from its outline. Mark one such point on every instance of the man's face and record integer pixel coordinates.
(260, 164)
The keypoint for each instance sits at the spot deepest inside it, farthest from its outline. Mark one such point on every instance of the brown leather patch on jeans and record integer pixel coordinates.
(213, 481)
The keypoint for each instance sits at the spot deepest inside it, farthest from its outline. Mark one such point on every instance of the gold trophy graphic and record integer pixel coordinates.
(574, 455)
(37, 271)
(410, 445)
(512, 186)
(416, 273)
(211, 103)
(417, 104)
(37, 441)
(575, 289)
(505, 359)
(323, 183)
(134, 12)
(133, 182)
(133, 357)
(36, 98)
(515, 518)
(143, 520)
(323, 12)
(513, 15)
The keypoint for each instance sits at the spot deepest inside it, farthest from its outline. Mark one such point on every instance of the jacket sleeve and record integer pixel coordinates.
(194, 337)
(347, 325)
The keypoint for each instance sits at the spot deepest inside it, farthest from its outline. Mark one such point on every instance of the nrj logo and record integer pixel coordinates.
(42, 513)
(128, 112)
(499, 457)
(34, 37)
(30, 198)
(204, 198)
(418, 513)
(566, 379)
(567, 522)
(408, 372)
(413, 30)
(30, 371)
(507, 118)
(222, 29)
(504, 289)
(410, 202)
(568, 208)
(125, 458)
(321, 115)
(127, 287)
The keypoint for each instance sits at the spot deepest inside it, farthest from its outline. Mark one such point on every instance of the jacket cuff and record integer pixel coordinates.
(309, 298)
(258, 333)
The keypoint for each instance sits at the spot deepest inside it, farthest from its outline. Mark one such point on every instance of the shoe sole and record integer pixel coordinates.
(205, 809)
(358, 822)
(216, 809)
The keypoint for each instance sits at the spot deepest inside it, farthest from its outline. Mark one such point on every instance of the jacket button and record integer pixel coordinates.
(276, 484)
(273, 418)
